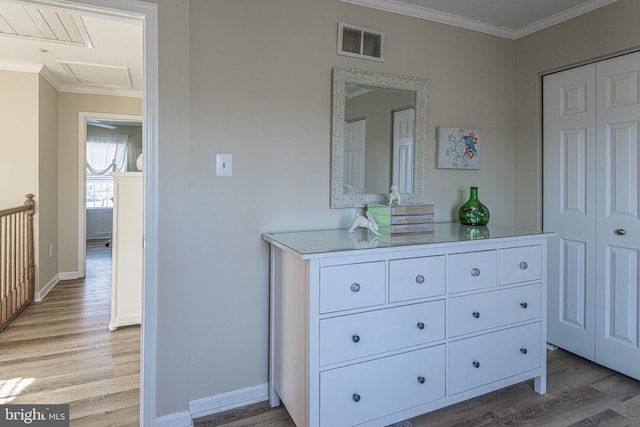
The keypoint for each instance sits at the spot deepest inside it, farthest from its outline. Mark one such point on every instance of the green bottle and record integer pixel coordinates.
(473, 212)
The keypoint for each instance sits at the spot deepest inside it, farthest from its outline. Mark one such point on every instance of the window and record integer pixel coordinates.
(105, 154)
(360, 42)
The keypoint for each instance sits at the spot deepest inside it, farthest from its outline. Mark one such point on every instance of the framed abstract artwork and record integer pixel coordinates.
(458, 148)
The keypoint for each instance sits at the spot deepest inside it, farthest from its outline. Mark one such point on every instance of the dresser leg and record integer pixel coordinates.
(540, 384)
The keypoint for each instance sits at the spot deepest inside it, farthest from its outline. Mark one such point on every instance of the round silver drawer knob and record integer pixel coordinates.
(475, 315)
(420, 325)
(419, 279)
(475, 272)
(524, 265)
(355, 338)
(356, 397)
(355, 287)
(524, 305)
(476, 364)
(523, 350)
(421, 379)
(620, 232)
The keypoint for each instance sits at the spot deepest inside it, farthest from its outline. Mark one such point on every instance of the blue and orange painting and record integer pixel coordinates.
(458, 148)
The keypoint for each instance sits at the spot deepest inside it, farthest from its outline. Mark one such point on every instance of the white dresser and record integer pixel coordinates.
(368, 333)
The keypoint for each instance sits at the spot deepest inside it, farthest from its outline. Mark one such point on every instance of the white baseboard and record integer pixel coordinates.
(69, 275)
(177, 419)
(225, 401)
(44, 290)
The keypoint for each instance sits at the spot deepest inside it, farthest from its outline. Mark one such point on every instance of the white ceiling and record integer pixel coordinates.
(85, 53)
(505, 18)
(91, 53)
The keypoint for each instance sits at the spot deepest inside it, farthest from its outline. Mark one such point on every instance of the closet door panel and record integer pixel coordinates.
(618, 229)
(569, 207)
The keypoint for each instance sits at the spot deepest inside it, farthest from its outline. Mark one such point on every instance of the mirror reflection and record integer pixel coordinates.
(379, 129)
(369, 171)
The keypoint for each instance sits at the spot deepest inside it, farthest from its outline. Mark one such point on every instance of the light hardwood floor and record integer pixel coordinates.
(61, 351)
(580, 393)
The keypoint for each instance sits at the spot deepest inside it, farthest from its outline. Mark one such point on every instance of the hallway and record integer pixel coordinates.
(61, 351)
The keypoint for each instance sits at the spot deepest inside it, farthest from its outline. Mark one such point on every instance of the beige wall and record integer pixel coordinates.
(28, 163)
(174, 245)
(264, 95)
(19, 137)
(47, 183)
(69, 107)
(601, 33)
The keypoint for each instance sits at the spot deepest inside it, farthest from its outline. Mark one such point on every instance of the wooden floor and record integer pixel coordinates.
(61, 351)
(579, 393)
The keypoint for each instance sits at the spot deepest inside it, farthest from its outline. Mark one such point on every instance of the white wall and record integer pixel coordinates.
(603, 32)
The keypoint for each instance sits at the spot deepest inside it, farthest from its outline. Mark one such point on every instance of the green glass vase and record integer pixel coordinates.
(473, 212)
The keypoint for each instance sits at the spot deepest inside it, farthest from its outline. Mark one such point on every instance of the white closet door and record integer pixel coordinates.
(618, 205)
(569, 207)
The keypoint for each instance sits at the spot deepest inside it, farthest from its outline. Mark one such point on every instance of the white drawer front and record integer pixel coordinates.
(474, 313)
(365, 391)
(350, 337)
(520, 264)
(491, 357)
(472, 270)
(344, 287)
(416, 278)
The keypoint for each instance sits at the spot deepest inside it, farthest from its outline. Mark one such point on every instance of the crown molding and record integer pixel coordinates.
(397, 6)
(128, 93)
(434, 15)
(22, 67)
(562, 17)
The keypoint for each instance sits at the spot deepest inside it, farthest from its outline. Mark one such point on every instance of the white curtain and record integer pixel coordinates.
(106, 154)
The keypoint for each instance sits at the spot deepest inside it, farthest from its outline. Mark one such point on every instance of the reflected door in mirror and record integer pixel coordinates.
(403, 131)
(354, 154)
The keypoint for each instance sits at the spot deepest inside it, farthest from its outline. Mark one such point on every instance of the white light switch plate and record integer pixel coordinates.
(224, 165)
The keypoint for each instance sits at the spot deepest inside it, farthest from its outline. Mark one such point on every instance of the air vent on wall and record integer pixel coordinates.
(360, 42)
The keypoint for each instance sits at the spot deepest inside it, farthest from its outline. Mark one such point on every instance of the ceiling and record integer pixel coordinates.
(75, 51)
(505, 18)
(86, 52)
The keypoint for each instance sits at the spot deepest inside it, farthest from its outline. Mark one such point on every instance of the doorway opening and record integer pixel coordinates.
(107, 143)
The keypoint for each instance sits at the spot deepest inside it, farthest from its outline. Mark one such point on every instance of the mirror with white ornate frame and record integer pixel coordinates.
(343, 194)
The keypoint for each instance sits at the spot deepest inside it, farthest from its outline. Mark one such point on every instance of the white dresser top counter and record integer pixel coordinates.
(311, 244)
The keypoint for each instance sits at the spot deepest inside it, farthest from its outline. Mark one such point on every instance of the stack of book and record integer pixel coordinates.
(404, 223)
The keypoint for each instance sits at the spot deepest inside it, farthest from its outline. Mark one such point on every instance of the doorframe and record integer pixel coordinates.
(83, 118)
(148, 14)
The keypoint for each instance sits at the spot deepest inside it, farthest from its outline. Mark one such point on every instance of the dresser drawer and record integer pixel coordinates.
(344, 287)
(477, 312)
(365, 391)
(471, 270)
(520, 264)
(358, 335)
(491, 357)
(416, 278)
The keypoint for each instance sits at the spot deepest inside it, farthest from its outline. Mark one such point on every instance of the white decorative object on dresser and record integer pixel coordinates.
(375, 336)
(126, 284)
